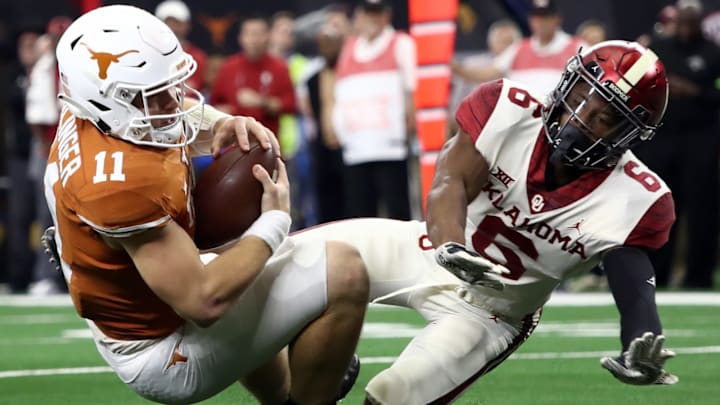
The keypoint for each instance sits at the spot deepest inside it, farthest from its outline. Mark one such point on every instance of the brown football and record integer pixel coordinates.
(227, 196)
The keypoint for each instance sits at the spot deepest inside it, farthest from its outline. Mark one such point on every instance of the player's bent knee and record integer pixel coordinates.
(347, 276)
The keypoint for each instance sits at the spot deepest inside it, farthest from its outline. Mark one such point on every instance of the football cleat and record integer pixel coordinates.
(351, 375)
(47, 240)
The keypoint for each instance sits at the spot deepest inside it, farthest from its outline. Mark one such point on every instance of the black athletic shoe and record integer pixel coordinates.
(349, 378)
(47, 240)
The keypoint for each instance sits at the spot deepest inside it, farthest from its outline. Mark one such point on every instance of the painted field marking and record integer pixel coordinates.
(368, 360)
(35, 319)
(559, 299)
(371, 330)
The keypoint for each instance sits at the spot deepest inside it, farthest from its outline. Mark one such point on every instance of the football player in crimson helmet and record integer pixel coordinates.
(526, 195)
(629, 83)
(118, 183)
(610, 97)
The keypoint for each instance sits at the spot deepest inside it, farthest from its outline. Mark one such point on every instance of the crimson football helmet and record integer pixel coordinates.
(628, 82)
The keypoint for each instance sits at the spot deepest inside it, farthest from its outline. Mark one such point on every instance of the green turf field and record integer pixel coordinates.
(558, 365)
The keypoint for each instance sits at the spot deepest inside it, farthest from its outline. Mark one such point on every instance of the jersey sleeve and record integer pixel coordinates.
(153, 191)
(122, 212)
(653, 229)
(475, 110)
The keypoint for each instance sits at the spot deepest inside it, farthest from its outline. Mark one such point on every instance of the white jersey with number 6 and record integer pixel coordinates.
(545, 235)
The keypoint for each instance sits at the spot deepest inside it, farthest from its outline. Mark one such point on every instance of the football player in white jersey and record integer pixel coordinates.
(526, 195)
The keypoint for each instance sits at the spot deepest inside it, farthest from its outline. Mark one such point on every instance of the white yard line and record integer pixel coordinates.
(59, 300)
(54, 371)
(35, 319)
(368, 360)
(39, 341)
(663, 298)
(559, 299)
(392, 330)
(600, 353)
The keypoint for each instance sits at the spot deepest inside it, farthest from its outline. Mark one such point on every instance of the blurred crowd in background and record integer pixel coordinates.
(335, 83)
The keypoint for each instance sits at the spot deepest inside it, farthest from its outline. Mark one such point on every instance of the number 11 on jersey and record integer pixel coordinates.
(117, 173)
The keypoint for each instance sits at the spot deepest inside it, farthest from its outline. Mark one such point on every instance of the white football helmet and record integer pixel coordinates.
(112, 55)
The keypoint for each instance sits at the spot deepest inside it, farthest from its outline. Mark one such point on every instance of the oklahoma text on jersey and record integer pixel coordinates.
(546, 235)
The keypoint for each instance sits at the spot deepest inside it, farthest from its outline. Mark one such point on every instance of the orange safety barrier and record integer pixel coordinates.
(434, 42)
(427, 171)
(433, 87)
(432, 26)
(432, 128)
(426, 10)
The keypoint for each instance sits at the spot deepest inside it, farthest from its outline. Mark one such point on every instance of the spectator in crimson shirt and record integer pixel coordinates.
(253, 82)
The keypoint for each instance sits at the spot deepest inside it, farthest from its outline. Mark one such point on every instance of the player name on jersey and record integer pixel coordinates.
(69, 160)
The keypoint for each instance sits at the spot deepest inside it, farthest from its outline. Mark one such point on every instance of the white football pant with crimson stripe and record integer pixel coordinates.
(462, 341)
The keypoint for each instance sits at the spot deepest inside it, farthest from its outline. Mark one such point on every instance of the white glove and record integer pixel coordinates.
(470, 266)
(642, 363)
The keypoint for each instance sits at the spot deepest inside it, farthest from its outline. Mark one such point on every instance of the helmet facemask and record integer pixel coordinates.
(140, 129)
(588, 122)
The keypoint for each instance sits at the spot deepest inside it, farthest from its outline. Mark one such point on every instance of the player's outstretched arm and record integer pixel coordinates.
(460, 173)
(632, 282)
(168, 259)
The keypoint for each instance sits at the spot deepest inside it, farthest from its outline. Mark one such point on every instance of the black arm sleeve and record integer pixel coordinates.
(632, 281)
